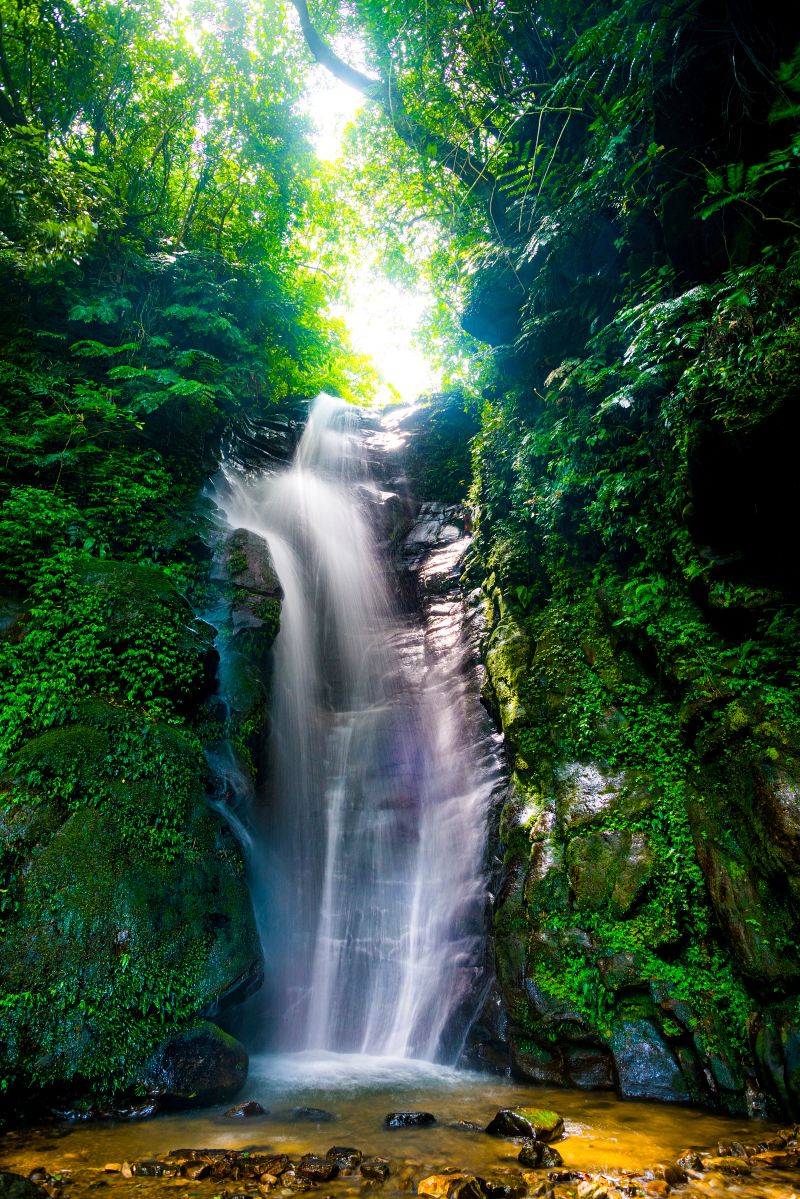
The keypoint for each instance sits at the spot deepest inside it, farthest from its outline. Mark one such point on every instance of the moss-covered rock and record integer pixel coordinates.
(199, 1066)
(636, 907)
(97, 963)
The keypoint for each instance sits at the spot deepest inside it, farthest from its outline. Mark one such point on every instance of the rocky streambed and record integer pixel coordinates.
(340, 1127)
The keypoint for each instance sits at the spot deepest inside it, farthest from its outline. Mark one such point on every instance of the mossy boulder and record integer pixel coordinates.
(112, 943)
(246, 561)
(532, 1123)
(196, 1067)
(149, 773)
(143, 599)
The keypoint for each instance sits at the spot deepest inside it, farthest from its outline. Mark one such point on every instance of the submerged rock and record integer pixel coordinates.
(247, 1109)
(375, 1167)
(777, 1160)
(503, 1184)
(312, 1115)
(728, 1165)
(409, 1119)
(537, 1124)
(152, 1169)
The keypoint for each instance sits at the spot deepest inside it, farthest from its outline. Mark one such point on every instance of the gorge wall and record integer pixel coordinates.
(635, 506)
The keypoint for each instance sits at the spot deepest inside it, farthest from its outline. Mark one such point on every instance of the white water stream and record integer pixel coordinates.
(374, 824)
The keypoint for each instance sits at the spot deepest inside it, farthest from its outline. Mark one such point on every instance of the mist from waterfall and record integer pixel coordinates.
(371, 833)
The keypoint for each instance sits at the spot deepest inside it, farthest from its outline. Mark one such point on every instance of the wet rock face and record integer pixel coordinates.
(201, 1066)
(596, 968)
(608, 867)
(646, 1067)
(244, 572)
(248, 564)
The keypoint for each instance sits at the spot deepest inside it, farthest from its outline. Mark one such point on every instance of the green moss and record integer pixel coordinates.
(99, 963)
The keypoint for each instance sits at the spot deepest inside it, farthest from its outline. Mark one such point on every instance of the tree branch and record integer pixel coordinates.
(327, 57)
(385, 92)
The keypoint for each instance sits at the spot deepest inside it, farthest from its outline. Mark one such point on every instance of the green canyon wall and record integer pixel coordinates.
(636, 502)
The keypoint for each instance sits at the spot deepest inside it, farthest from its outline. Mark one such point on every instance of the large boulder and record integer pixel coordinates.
(199, 1066)
(113, 942)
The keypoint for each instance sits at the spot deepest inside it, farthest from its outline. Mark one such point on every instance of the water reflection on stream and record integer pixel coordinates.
(603, 1132)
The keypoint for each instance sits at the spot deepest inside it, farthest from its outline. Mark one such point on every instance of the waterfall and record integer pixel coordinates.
(373, 829)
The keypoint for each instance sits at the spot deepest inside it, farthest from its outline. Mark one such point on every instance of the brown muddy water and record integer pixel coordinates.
(603, 1134)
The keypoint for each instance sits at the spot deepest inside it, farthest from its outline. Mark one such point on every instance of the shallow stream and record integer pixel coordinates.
(603, 1133)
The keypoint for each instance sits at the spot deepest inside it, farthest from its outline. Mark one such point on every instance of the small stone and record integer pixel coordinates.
(409, 1119)
(538, 1187)
(112, 1168)
(451, 1186)
(592, 1189)
(241, 1111)
(536, 1124)
(503, 1185)
(674, 1175)
(291, 1182)
(537, 1154)
(276, 1165)
(317, 1169)
(466, 1126)
(690, 1159)
(126, 1170)
(196, 1170)
(153, 1169)
(777, 1160)
(375, 1167)
(728, 1165)
(345, 1158)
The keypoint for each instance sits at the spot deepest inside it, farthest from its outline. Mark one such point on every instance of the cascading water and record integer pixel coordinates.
(375, 823)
